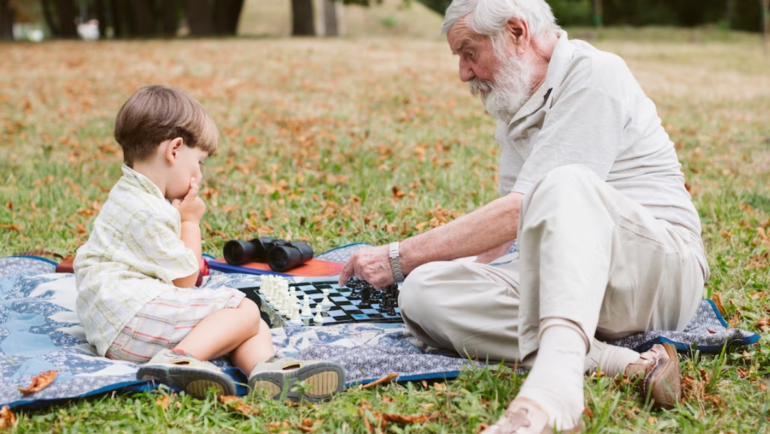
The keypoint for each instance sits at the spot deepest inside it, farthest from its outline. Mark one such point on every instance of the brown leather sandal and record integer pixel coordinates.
(658, 370)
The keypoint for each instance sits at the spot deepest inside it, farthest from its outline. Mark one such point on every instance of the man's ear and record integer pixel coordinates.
(518, 32)
(171, 152)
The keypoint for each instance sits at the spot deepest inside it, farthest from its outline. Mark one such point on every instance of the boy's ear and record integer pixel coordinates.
(172, 150)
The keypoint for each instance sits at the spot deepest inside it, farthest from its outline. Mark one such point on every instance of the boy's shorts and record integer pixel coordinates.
(167, 319)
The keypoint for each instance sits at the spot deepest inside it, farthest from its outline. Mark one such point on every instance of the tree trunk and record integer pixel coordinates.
(101, 16)
(729, 12)
(331, 18)
(598, 14)
(199, 14)
(170, 17)
(303, 23)
(118, 14)
(66, 14)
(48, 15)
(766, 22)
(226, 16)
(6, 20)
(143, 17)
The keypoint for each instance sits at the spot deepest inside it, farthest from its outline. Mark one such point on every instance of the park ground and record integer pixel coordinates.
(373, 140)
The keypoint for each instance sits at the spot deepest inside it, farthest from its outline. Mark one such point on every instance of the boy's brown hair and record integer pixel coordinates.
(158, 113)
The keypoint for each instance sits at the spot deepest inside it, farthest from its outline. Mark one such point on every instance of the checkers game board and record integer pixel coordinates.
(343, 310)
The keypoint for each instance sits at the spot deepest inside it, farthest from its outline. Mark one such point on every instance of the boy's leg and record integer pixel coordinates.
(240, 330)
(165, 321)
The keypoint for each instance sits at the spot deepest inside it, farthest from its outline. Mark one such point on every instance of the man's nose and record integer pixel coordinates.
(466, 72)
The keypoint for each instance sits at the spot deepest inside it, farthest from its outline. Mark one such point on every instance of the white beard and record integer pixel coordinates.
(512, 87)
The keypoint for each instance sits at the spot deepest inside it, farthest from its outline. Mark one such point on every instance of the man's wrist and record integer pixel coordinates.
(395, 262)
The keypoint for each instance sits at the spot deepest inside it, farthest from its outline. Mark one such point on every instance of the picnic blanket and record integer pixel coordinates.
(40, 331)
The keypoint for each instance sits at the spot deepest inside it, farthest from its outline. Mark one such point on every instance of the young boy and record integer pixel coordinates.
(136, 272)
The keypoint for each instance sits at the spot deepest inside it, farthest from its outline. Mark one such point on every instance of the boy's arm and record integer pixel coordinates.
(191, 210)
(191, 237)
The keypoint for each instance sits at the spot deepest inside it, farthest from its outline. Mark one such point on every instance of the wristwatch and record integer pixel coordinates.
(395, 264)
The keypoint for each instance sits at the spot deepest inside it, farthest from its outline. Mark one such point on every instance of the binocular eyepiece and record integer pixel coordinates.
(280, 255)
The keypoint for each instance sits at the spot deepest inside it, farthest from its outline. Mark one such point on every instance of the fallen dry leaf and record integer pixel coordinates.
(12, 227)
(7, 418)
(717, 299)
(236, 404)
(763, 235)
(398, 194)
(763, 324)
(162, 402)
(398, 418)
(588, 412)
(40, 382)
(386, 379)
(704, 376)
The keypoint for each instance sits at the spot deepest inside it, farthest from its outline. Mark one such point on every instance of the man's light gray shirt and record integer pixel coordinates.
(590, 110)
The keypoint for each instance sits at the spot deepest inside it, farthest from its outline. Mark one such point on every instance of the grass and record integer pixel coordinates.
(338, 141)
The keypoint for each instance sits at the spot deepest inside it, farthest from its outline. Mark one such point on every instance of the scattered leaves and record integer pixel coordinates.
(235, 403)
(40, 382)
(7, 418)
(397, 418)
(162, 402)
(763, 324)
(386, 379)
(375, 421)
(717, 299)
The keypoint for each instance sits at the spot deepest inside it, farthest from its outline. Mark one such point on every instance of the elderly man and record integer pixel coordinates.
(591, 187)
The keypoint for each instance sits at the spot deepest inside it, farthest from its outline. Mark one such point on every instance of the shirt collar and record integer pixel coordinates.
(138, 180)
(557, 69)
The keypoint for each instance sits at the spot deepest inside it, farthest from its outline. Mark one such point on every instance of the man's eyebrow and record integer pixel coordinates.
(460, 47)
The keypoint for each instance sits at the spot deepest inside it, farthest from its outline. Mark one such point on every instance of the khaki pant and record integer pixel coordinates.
(587, 254)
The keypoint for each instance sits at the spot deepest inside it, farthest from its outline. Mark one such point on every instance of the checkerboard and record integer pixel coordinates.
(343, 310)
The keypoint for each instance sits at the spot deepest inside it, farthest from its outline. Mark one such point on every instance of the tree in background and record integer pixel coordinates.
(161, 18)
(332, 24)
(60, 18)
(766, 22)
(302, 19)
(7, 14)
(146, 18)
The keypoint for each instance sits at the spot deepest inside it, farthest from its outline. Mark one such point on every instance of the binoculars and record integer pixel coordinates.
(280, 255)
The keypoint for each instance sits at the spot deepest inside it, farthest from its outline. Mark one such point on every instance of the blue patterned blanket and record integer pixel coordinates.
(40, 331)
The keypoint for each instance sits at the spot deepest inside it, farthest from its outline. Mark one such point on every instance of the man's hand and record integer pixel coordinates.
(494, 253)
(372, 265)
(191, 208)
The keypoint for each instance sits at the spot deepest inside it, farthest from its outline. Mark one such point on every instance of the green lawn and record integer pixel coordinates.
(339, 141)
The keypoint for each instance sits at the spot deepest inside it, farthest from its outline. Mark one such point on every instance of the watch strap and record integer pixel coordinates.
(395, 264)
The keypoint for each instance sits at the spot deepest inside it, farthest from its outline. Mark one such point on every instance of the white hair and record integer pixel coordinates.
(489, 17)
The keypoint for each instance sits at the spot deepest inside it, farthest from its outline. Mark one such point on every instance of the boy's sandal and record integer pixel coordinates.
(658, 370)
(279, 374)
(178, 369)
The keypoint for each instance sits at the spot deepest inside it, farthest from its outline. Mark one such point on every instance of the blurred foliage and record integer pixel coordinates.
(734, 14)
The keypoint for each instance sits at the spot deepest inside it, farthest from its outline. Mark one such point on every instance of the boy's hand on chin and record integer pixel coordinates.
(191, 208)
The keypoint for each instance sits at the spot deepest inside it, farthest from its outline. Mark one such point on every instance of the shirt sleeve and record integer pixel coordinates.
(155, 239)
(583, 127)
